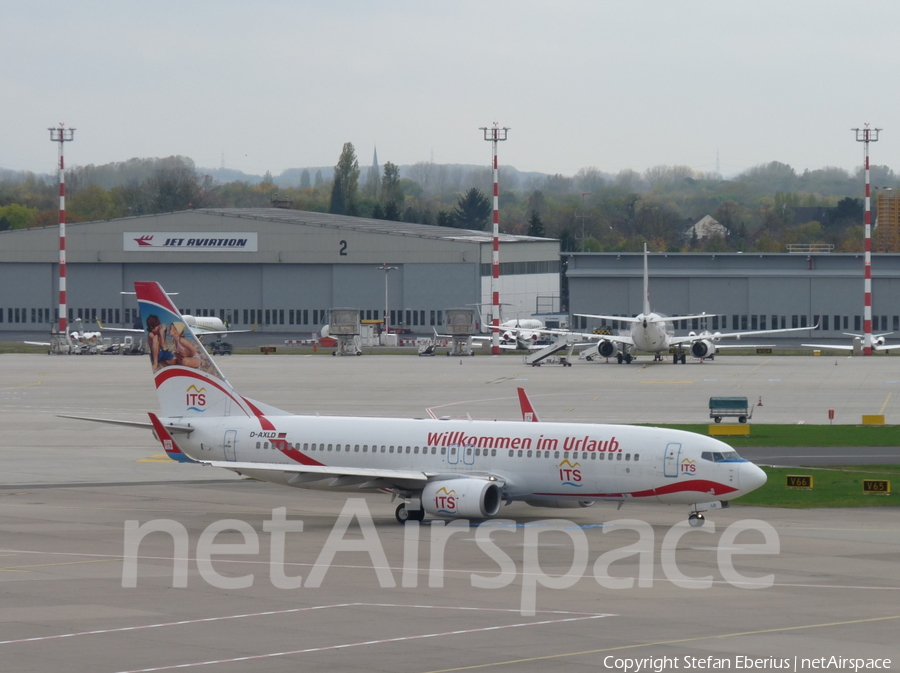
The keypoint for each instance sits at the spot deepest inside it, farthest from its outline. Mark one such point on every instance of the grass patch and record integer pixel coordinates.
(833, 487)
(807, 435)
(20, 347)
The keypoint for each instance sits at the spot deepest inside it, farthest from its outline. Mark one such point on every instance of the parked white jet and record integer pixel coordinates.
(878, 343)
(653, 333)
(444, 468)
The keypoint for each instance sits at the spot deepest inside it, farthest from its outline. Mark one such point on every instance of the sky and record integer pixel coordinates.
(276, 84)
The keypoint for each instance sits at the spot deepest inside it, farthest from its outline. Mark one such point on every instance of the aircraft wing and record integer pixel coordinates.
(37, 343)
(617, 338)
(118, 329)
(721, 346)
(611, 317)
(202, 332)
(736, 335)
(885, 347)
(327, 470)
(838, 347)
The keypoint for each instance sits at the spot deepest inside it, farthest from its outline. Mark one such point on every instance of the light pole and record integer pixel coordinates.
(867, 135)
(387, 269)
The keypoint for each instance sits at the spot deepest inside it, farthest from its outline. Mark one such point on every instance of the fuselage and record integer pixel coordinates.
(650, 333)
(532, 461)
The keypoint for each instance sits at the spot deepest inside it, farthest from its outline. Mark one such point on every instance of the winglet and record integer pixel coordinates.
(529, 415)
(171, 447)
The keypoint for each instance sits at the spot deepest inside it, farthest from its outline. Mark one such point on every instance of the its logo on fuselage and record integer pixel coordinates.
(569, 474)
(195, 398)
(688, 467)
(445, 501)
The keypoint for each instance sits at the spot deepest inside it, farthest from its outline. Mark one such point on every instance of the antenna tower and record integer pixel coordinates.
(495, 134)
(62, 135)
(867, 135)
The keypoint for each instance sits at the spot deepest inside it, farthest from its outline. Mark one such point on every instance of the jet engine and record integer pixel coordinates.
(462, 498)
(879, 341)
(560, 504)
(606, 349)
(702, 349)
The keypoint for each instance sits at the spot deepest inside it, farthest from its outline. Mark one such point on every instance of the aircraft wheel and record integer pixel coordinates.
(718, 419)
(403, 515)
(742, 419)
(619, 358)
(696, 519)
(683, 359)
(675, 359)
(590, 358)
(628, 359)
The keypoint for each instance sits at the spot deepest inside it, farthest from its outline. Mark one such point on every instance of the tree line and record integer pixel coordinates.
(763, 208)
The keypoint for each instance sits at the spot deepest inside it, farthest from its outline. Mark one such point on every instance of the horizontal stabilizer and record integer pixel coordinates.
(171, 427)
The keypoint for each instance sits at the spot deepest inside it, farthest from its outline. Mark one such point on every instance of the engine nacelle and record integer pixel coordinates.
(462, 498)
(606, 349)
(879, 341)
(702, 349)
(560, 504)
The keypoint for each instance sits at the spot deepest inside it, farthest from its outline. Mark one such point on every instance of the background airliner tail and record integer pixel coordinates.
(646, 283)
(188, 382)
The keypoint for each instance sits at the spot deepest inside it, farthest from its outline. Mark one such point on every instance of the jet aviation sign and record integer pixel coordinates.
(189, 241)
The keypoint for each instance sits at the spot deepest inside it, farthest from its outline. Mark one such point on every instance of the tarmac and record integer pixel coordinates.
(830, 585)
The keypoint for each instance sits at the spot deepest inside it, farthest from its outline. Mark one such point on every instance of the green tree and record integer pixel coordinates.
(18, 216)
(92, 203)
(472, 210)
(392, 211)
(391, 190)
(304, 179)
(338, 206)
(347, 174)
(535, 225)
(445, 218)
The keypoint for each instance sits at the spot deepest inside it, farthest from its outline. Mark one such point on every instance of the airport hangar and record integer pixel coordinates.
(279, 269)
(747, 291)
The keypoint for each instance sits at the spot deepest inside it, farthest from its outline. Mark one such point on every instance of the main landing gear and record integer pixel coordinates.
(403, 514)
(679, 357)
(627, 357)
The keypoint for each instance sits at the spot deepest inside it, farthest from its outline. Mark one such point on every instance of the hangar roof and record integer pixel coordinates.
(364, 224)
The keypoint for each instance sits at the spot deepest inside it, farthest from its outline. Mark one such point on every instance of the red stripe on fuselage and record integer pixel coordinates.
(700, 486)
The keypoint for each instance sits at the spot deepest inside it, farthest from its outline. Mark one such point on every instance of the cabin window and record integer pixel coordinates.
(265, 445)
(329, 447)
(469, 451)
(593, 456)
(528, 454)
(356, 448)
(407, 449)
(384, 448)
(637, 457)
(258, 445)
(602, 456)
(416, 450)
(337, 447)
(493, 453)
(477, 452)
(392, 449)
(618, 456)
(443, 450)
(627, 456)
(556, 454)
(520, 453)
(511, 453)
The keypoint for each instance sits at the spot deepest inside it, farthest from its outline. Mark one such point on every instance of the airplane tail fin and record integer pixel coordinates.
(188, 382)
(646, 283)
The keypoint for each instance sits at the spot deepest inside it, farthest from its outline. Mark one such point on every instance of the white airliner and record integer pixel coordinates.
(653, 333)
(878, 343)
(201, 325)
(443, 468)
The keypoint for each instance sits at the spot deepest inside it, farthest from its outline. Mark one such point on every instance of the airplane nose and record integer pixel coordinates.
(752, 477)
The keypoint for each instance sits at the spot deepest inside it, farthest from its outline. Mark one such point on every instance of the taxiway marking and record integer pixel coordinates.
(662, 642)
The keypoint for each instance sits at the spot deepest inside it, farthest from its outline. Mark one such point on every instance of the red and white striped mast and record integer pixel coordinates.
(866, 136)
(495, 135)
(62, 135)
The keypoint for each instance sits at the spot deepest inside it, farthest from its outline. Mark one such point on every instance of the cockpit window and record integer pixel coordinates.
(719, 457)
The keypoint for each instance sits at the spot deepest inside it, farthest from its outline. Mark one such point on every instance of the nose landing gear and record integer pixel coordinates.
(696, 519)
